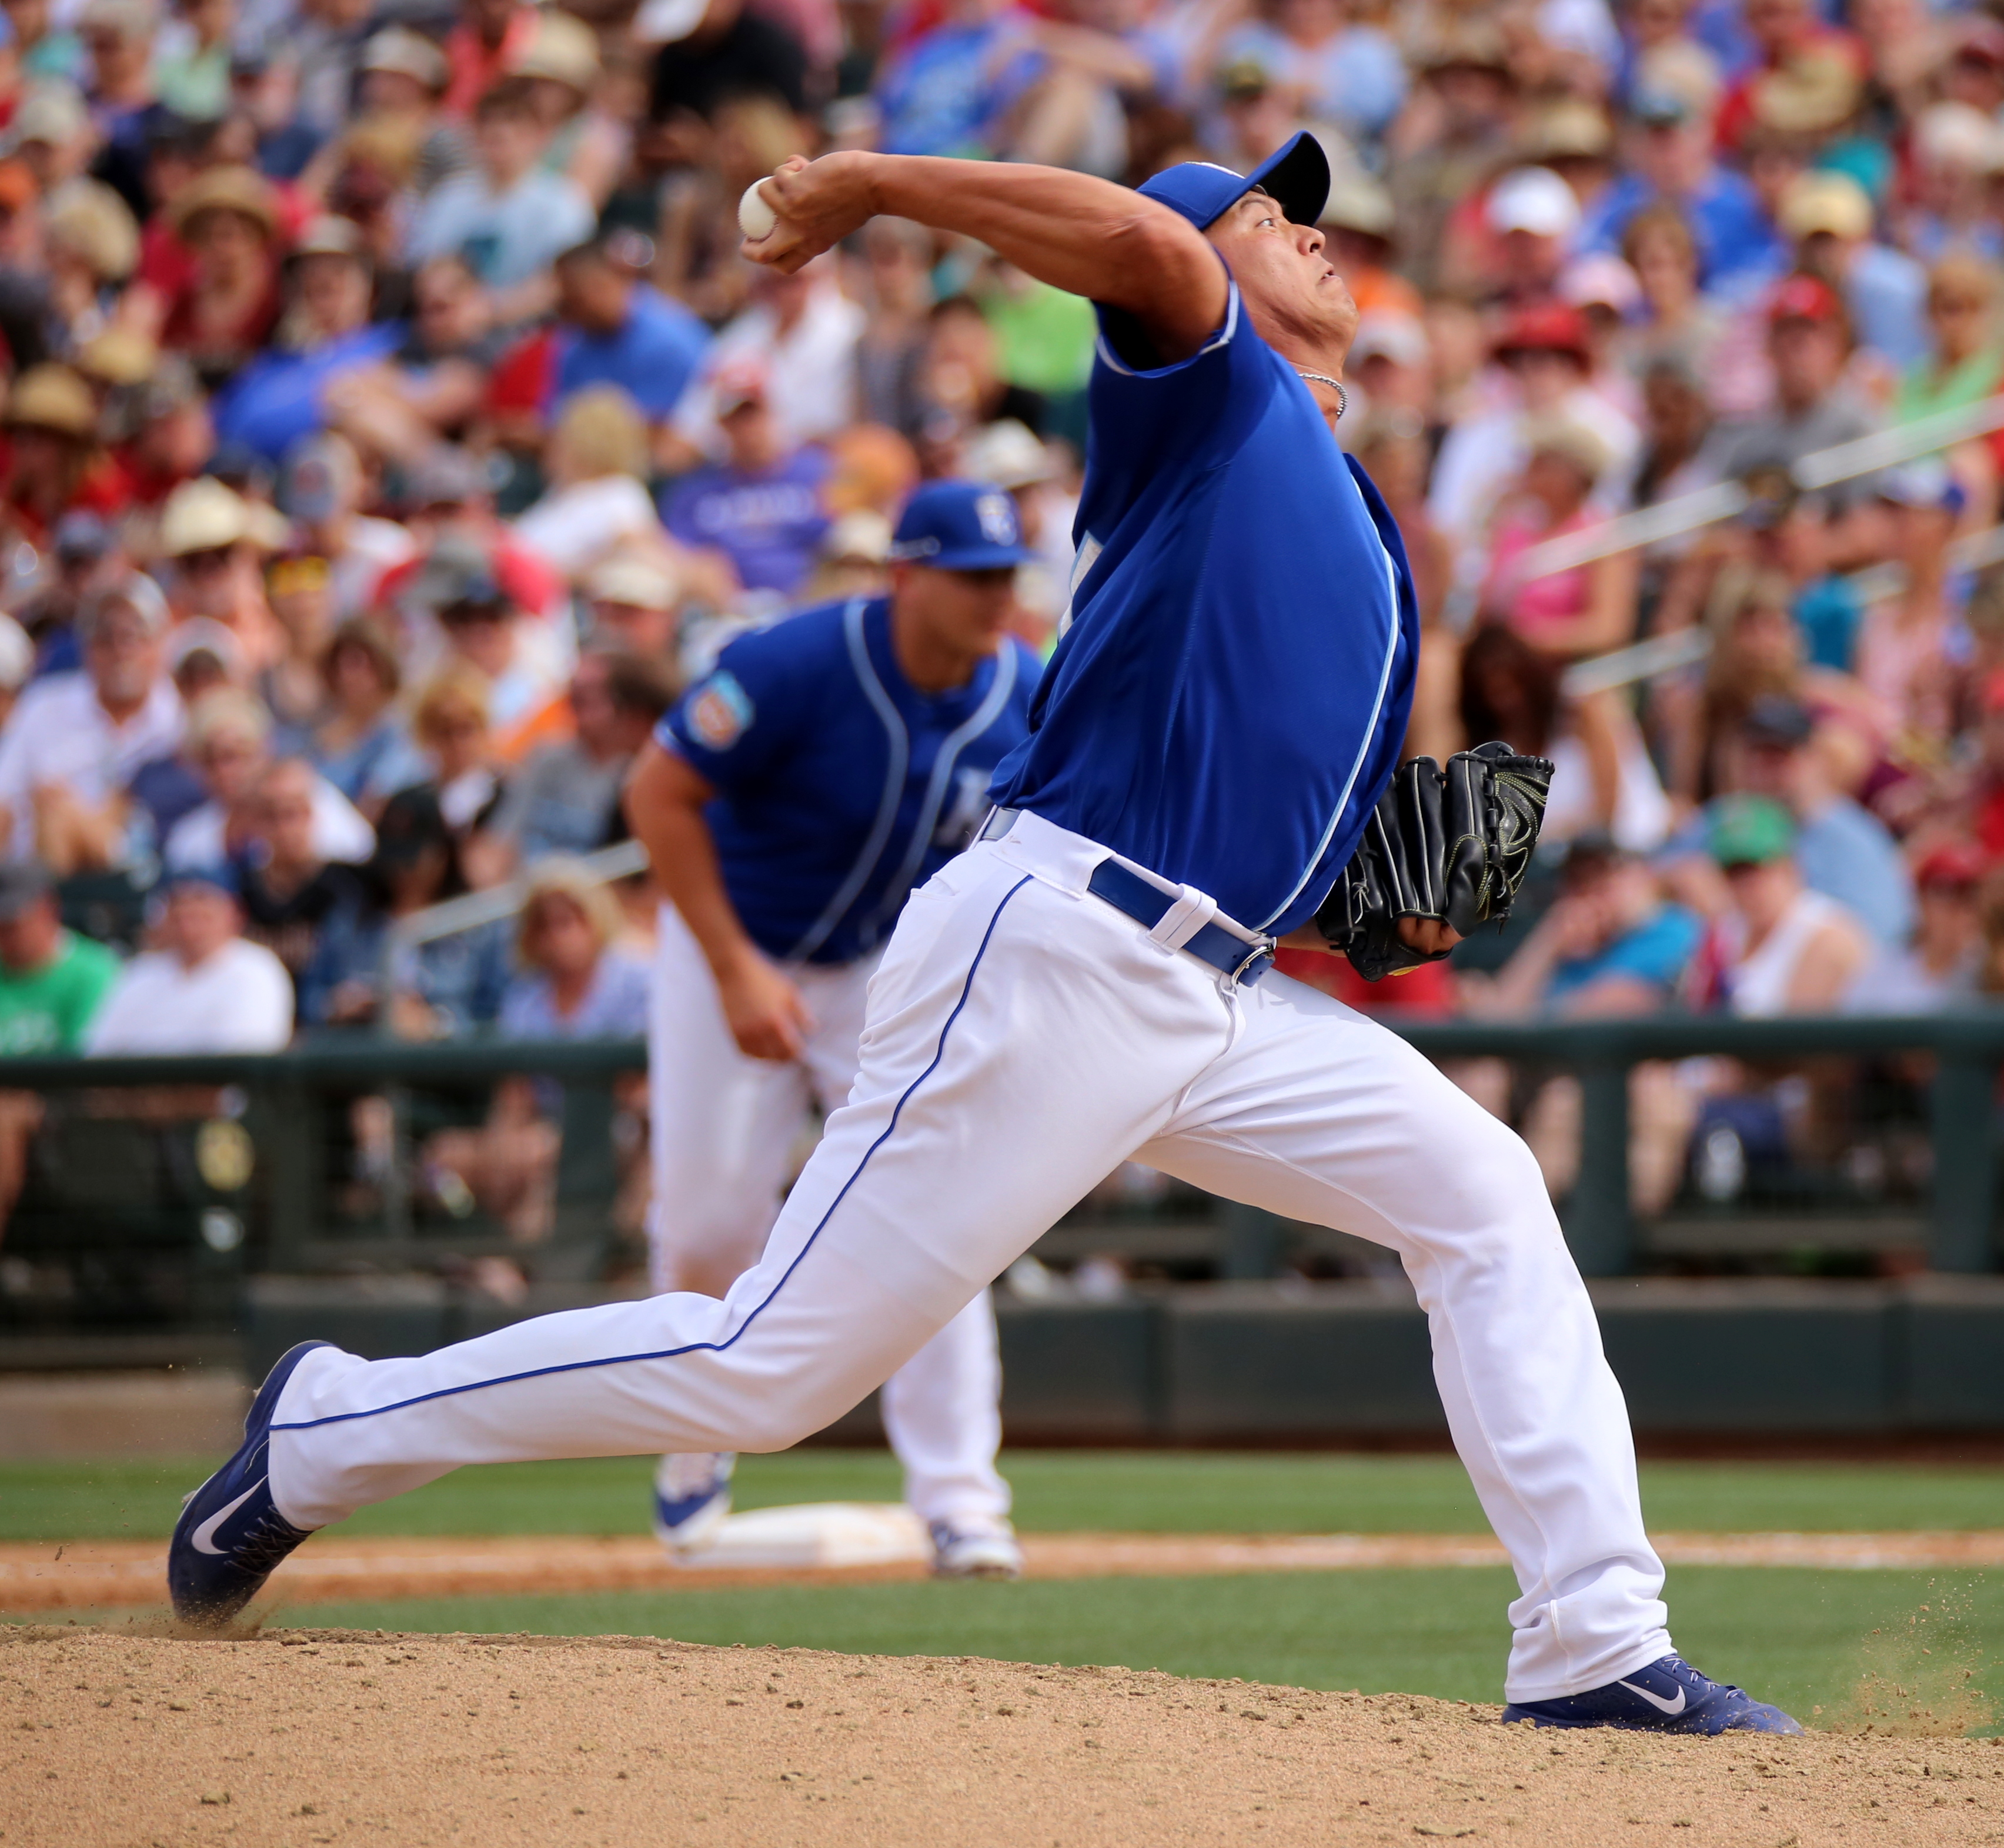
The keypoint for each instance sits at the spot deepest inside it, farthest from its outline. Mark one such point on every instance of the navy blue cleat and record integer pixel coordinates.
(231, 1537)
(1668, 1696)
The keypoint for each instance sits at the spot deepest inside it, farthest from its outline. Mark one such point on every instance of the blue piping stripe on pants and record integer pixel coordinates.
(574, 1366)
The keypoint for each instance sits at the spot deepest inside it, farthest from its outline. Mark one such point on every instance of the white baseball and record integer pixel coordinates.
(755, 218)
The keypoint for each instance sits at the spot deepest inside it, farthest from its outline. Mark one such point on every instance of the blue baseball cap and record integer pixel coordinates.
(959, 526)
(1297, 176)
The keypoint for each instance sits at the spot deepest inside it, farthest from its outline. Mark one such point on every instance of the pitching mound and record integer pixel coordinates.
(300, 1736)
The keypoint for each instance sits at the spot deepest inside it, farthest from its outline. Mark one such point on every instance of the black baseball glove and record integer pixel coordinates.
(1452, 845)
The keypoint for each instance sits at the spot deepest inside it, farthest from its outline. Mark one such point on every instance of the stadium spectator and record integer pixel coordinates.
(575, 981)
(76, 741)
(55, 463)
(214, 293)
(1782, 947)
(761, 506)
(206, 988)
(1903, 646)
(1548, 366)
(211, 540)
(52, 981)
(363, 748)
(228, 742)
(633, 604)
(435, 384)
(1965, 363)
(1588, 609)
(565, 799)
(453, 725)
(1829, 219)
(510, 217)
(281, 398)
(1342, 72)
(949, 91)
(447, 986)
(484, 647)
(711, 52)
(1940, 966)
(799, 337)
(595, 463)
(1675, 174)
(1808, 342)
(613, 329)
(289, 886)
(1842, 851)
(321, 489)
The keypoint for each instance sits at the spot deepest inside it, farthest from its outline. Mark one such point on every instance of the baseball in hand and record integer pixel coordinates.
(755, 218)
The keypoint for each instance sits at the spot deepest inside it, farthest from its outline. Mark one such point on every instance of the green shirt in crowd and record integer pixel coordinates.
(50, 1009)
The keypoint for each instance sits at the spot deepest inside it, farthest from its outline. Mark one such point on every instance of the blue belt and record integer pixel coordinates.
(1245, 962)
(1130, 894)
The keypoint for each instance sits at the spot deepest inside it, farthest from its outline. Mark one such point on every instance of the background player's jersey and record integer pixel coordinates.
(840, 786)
(1229, 701)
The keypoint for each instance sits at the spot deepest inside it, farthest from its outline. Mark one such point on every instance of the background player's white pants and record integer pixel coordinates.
(1022, 1038)
(724, 1128)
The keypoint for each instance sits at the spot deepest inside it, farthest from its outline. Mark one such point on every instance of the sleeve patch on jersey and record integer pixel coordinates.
(719, 710)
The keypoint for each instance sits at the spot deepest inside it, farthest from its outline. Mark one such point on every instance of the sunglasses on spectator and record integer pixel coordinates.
(203, 563)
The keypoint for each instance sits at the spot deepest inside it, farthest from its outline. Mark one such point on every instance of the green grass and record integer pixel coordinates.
(1057, 1492)
(1799, 1637)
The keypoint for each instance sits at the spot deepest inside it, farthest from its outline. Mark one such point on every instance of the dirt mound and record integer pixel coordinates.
(310, 1737)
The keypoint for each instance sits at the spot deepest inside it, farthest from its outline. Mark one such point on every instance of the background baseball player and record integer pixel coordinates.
(1086, 982)
(791, 802)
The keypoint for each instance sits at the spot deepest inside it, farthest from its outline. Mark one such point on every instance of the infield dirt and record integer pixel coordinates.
(314, 1736)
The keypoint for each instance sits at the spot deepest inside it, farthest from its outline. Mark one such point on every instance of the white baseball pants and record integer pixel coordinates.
(1023, 1037)
(723, 1131)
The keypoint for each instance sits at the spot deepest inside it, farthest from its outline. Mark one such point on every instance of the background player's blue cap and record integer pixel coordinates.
(959, 526)
(1298, 176)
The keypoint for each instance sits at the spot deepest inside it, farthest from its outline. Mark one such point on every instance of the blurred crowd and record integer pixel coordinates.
(391, 429)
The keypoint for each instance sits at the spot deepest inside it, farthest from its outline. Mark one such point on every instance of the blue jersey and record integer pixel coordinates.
(1231, 698)
(840, 786)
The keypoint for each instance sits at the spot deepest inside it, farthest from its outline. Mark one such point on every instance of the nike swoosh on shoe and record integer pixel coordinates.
(1656, 1700)
(202, 1538)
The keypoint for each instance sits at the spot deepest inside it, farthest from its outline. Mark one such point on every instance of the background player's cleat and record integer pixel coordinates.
(231, 1535)
(986, 1553)
(692, 1498)
(1668, 1696)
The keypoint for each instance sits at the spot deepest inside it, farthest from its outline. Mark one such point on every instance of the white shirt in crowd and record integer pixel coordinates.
(60, 734)
(574, 527)
(809, 373)
(339, 832)
(239, 1000)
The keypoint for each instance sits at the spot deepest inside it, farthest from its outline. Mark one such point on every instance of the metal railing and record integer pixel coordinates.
(1726, 500)
(473, 910)
(1966, 1048)
(293, 1201)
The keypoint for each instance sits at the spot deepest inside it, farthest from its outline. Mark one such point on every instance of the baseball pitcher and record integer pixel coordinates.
(1092, 980)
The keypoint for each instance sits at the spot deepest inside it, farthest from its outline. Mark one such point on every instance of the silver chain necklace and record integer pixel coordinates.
(1335, 385)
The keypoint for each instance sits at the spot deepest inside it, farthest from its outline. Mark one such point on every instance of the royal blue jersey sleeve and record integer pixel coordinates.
(737, 723)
